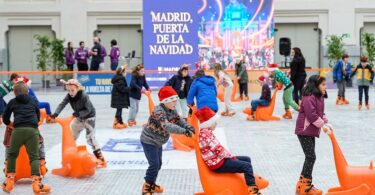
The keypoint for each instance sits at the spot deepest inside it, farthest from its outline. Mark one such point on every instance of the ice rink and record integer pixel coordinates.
(273, 147)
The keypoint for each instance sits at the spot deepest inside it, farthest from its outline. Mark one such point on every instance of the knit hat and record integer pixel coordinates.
(273, 67)
(167, 94)
(72, 82)
(23, 79)
(206, 117)
(262, 78)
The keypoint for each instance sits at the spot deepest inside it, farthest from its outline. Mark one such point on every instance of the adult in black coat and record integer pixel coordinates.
(297, 73)
(181, 84)
(120, 96)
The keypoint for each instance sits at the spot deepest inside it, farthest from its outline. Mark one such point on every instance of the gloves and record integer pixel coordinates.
(191, 129)
(188, 133)
(76, 114)
(54, 115)
(327, 128)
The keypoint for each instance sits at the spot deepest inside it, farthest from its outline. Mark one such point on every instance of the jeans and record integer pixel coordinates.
(341, 87)
(83, 66)
(89, 124)
(227, 99)
(182, 108)
(298, 85)
(94, 65)
(46, 106)
(30, 138)
(154, 157)
(70, 67)
(243, 89)
(134, 107)
(114, 65)
(242, 165)
(363, 89)
(308, 147)
(119, 115)
(259, 102)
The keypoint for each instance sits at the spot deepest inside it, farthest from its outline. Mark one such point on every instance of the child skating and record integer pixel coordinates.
(264, 99)
(120, 96)
(224, 80)
(163, 121)
(242, 78)
(365, 78)
(85, 115)
(137, 84)
(281, 78)
(311, 119)
(26, 117)
(341, 73)
(216, 157)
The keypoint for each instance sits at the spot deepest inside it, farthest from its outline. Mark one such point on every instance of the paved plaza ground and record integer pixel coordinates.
(273, 147)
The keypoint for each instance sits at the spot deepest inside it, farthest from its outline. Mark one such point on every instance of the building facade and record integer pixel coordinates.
(305, 22)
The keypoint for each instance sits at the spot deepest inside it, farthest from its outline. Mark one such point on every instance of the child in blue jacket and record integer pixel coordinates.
(136, 89)
(341, 73)
(203, 89)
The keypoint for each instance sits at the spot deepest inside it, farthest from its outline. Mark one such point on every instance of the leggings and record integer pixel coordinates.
(243, 89)
(363, 89)
(308, 147)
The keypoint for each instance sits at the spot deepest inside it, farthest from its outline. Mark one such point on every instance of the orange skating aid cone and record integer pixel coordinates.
(265, 113)
(43, 116)
(76, 161)
(220, 183)
(220, 93)
(354, 180)
(23, 169)
(234, 92)
(180, 142)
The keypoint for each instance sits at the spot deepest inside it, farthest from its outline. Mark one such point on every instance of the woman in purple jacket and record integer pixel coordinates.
(114, 55)
(69, 56)
(311, 119)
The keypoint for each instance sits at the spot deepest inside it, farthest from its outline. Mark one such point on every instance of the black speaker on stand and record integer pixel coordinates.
(285, 47)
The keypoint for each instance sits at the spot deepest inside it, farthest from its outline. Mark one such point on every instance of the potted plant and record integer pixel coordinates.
(368, 46)
(42, 56)
(58, 60)
(335, 46)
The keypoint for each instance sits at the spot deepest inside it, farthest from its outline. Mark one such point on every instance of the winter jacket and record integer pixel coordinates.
(280, 77)
(180, 84)
(115, 54)
(266, 93)
(242, 73)
(160, 124)
(136, 85)
(204, 90)
(6, 87)
(340, 72)
(33, 95)
(80, 104)
(297, 69)
(224, 80)
(81, 55)
(311, 117)
(69, 57)
(365, 76)
(120, 92)
(98, 49)
(25, 112)
(213, 153)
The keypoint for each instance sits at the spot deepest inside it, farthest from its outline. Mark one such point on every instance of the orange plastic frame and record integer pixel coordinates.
(265, 113)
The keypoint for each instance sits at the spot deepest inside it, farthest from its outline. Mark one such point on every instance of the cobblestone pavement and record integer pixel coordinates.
(273, 147)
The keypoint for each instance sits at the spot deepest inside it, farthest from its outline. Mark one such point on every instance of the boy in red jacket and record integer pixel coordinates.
(216, 157)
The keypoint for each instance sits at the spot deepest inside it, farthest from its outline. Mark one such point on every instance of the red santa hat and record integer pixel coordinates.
(23, 79)
(262, 78)
(207, 117)
(167, 94)
(273, 67)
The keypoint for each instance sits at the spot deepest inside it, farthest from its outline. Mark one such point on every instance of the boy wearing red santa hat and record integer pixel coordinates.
(216, 157)
(163, 121)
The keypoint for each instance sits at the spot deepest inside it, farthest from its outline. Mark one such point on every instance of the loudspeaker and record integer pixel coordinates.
(133, 54)
(285, 46)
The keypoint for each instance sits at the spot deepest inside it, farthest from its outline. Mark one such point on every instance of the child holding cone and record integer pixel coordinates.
(84, 113)
(26, 118)
(311, 119)
(120, 96)
(137, 84)
(216, 157)
(163, 121)
(365, 77)
(264, 99)
(281, 78)
(223, 79)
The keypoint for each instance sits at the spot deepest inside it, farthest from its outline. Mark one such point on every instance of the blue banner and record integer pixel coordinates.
(170, 36)
(96, 83)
